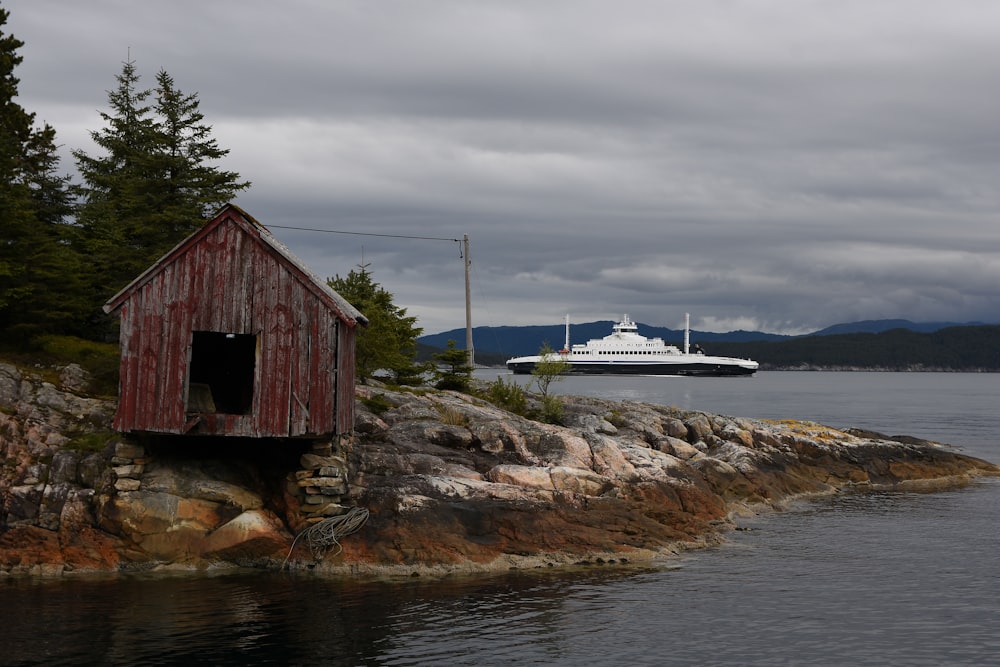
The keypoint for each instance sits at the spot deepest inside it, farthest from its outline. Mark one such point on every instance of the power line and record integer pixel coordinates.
(463, 253)
(389, 236)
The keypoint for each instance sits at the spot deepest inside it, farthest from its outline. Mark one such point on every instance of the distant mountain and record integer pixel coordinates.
(878, 326)
(967, 348)
(518, 341)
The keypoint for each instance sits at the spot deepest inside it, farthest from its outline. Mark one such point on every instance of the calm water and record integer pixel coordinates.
(870, 579)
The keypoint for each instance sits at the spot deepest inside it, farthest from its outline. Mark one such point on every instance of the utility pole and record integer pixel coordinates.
(468, 304)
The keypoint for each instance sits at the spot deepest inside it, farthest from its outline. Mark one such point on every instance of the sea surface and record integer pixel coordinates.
(859, 579)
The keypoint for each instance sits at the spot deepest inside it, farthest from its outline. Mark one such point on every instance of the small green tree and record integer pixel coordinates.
(550, 368)
(456, 373)
(389, 343)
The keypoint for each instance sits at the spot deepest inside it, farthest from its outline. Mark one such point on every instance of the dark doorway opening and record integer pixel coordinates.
(221, 376)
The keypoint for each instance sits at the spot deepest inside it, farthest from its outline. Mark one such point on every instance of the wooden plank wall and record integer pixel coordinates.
(228, 282)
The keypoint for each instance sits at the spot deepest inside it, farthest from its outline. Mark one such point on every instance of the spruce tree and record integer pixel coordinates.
(153, 184)
(191, 188)
(15, 128)
(455, 372)
(38, 263)
(389, 342)
(114, 193)
(52, 262)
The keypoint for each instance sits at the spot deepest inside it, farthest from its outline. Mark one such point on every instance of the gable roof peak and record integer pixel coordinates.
(250, 225)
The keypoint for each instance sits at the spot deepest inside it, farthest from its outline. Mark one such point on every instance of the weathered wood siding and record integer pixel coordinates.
(227, 281)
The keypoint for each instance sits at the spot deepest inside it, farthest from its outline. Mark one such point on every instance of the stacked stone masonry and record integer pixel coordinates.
(320, 484)
(129, 462)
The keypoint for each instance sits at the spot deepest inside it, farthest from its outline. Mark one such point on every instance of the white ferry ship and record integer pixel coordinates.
(626, 352)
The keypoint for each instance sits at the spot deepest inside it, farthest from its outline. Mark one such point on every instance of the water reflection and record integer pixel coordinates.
(260, 618)
(853, 579)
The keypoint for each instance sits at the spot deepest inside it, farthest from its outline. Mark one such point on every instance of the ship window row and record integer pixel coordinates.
(619, 352)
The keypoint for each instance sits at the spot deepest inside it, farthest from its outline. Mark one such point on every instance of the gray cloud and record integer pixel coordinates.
(775, 164)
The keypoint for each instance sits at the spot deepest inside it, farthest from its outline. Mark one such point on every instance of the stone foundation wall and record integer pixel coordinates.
(321, 483)
(128, 464)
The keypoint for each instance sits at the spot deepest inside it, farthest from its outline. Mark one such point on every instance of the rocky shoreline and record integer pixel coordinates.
(446, 482)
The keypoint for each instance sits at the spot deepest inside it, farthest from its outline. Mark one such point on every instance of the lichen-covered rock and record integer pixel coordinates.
(74, 378)
(653, 478)
(450, 482)
(699, 427)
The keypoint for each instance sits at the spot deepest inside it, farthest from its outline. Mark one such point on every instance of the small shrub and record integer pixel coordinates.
(507, 395)
(552, 410)
(615, 418)
(89, 442)
(377, 403)
(450, 382)
(454, 417)
(101, 360)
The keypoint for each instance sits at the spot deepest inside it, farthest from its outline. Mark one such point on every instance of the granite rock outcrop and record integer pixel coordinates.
(449, 483)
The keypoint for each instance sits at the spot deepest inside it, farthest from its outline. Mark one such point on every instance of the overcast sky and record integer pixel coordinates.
(775, 165)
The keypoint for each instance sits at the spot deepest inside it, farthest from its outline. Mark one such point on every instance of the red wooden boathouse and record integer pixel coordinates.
(228, 334)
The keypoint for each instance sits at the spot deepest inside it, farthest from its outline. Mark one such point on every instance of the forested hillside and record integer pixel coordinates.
(971, 348)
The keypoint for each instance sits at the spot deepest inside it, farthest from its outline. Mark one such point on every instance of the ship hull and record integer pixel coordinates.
(688, 368)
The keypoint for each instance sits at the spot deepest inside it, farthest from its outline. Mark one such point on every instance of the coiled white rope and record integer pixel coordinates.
(326, 534)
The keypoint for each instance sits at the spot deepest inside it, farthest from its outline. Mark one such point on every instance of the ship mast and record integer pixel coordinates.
(687, 332)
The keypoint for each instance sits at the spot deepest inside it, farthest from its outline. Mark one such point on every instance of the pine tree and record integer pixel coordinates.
(114, 191)
(52, 263)
(15, 128)
(152, 186)
(456, 373)
(192, 190)
(389, 343)
(38, 264)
